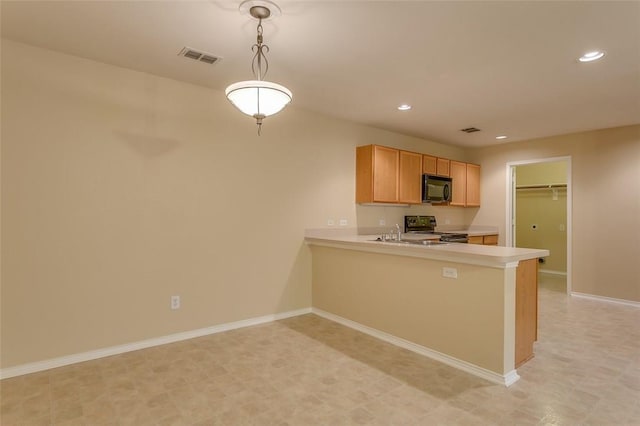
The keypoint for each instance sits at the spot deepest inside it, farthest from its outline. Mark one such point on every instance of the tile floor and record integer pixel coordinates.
(310, 371)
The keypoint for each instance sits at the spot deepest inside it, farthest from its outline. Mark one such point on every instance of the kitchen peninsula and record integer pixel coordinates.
(471, 306)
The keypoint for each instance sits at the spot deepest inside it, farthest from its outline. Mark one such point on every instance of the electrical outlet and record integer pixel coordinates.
(561, 227)
(330, 222)
(175, 302)
(343, 222)
(449, 272)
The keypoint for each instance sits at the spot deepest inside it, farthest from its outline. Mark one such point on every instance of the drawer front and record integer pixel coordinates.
(490, 240)
(476, 240)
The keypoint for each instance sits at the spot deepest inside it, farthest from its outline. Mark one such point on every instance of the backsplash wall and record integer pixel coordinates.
(370, 216)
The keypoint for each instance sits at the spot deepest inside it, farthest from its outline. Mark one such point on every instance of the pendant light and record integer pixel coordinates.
(259, 98)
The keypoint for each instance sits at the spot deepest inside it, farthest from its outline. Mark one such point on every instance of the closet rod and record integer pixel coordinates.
(548, 186)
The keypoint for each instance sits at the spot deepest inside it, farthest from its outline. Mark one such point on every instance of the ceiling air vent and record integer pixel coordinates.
(197, 55)
(470, 130)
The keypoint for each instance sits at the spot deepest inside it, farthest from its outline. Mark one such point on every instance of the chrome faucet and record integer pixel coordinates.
(399, 232)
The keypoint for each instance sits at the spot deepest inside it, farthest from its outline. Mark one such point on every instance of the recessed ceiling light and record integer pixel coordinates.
(591, 56)
(404, 107)
(501, 137)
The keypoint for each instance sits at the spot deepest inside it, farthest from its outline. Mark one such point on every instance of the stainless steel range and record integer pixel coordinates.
(427, 225)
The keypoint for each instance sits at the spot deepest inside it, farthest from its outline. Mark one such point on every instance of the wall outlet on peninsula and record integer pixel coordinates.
(449, 272)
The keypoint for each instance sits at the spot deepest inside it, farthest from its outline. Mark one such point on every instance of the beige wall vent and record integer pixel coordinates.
(197, 55)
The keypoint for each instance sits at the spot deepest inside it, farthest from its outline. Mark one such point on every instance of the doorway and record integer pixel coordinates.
(539, 214)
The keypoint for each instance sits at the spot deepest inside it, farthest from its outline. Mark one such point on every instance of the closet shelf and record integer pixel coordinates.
(542, 186)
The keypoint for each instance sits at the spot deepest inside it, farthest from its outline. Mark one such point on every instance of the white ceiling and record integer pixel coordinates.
(505, 67)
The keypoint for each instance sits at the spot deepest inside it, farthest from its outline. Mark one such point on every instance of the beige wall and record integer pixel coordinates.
(544, 208)
(120, 189)
(546, 173)
(605, 178)
(408, 298)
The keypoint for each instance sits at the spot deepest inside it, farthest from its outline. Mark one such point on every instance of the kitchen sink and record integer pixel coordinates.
(415, 242)
(428, 242)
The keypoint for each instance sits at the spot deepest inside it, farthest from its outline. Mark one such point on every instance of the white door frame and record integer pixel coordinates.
(511, 206)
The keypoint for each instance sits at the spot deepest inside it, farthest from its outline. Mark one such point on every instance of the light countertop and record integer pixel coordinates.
(492, 256)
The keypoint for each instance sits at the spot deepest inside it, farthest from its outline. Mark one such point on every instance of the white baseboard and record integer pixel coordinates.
(506, 380)
(606, 299)
(550, 272)
(34, 367)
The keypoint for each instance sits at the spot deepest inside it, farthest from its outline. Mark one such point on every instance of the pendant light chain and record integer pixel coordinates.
(259, 98)
(260, 49)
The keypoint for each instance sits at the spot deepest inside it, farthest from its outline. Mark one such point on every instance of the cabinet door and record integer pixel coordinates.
(364, 174)
(410, 178)
(385, 174)
(526, 310)
(429, 165)
(473, 185)
(443, 167)
(490, 240)
(459, 183)
(477, 239)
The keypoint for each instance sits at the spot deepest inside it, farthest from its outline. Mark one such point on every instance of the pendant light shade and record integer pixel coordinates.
(258, 98)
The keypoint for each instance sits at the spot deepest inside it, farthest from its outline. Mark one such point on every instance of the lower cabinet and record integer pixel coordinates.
(526, 302)
(487, 240)
(526, 310)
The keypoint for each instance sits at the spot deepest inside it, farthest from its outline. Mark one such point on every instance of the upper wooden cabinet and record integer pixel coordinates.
(466, 184)
(388, 175)
(410, 178)
(443, 167)
(429, 164)
(376, 174)
(435, 166)
(458, 172)
(473, 185)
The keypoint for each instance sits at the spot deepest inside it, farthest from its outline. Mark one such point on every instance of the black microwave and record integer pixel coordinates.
(436, 189)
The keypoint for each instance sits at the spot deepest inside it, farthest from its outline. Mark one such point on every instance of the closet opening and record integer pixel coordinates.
(539, 215)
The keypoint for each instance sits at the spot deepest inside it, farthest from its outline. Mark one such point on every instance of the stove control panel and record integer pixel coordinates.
(419, 223)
